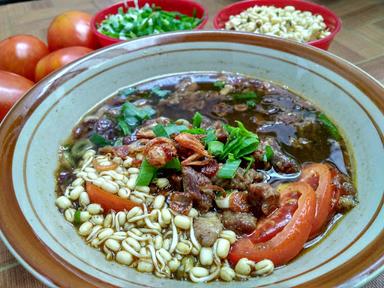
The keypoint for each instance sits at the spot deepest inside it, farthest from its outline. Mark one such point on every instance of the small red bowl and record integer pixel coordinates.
(331, 20)
(186, 7)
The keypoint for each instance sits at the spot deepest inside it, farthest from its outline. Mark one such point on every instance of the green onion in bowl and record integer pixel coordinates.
(145, 21)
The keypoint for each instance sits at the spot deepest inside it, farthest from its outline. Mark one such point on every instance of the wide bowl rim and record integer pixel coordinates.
(120, 4)
(324, 40)
(357, 273)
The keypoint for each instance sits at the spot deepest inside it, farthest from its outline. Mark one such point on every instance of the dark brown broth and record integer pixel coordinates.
(323, 147)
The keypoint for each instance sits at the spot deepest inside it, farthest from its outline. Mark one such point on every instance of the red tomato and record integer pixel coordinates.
(12, 87)
(19, 54)
(288, 243)
(319, 176)
(72, 28)
(107, 200)
(57, 59)
(269, 226)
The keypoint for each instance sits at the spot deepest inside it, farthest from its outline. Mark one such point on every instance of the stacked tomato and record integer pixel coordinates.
(25, 59)
(304, 210)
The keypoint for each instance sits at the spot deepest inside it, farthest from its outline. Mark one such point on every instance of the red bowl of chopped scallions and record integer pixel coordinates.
(126, 21)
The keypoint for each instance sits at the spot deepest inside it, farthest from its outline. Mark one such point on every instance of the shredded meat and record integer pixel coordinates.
(241, 223)
(263, 198)
(207, 229)
(180, 202)
(159, 151)
(194, 183)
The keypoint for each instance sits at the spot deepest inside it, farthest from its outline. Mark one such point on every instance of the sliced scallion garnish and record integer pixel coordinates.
(146, 174)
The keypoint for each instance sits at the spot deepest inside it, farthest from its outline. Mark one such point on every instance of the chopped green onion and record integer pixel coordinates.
(123, 126)
(146, 174)
(240, 142)
(216, 148)
(160, 131)
(196, 120)
(77, 220)
(127, 91)
(219, 84)
(160, 92)
(99, 140)
(247, 95)
(199, 131)
(145, 21)
(175, 129)
(118, 142)
(250, 160)
(268, 154)
(331, 128)
(173, 164)
(131, 116)
(251, 103)
(228, 170)
(211, 136)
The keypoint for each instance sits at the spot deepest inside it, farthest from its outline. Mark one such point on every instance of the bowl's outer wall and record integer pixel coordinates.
(80, 86)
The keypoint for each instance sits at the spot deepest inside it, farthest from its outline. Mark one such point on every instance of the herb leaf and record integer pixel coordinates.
(216, 148)
(219, 84)
(196, 120)
(99, 140)
(160, 131)
(268, 154)
(131, 116)
(127, 91)
(160, 92)
(211, 136)
(331, 128)
(246, 95)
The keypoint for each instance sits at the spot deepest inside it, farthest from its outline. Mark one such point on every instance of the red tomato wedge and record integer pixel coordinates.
(319, 176)
(107, 200)
(268, 227)
(288, 243)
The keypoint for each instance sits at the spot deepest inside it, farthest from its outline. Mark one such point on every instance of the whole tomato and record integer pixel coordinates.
(12, 87)
(72, 28)
(57, 59)
(19, 54)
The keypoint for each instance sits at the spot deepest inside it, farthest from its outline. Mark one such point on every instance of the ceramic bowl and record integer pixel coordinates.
(48, 246)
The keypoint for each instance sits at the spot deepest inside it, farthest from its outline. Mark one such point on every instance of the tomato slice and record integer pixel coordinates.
(268, 227)
(107, 200)
(319, 176)
(286, 244)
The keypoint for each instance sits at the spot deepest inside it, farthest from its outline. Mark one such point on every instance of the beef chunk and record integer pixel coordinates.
(176, 182)
(207, 229)
(262, 198)
(241, 181)
(194, 183)
(180, 202)
(211, 168)
(240, 222)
